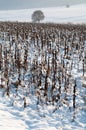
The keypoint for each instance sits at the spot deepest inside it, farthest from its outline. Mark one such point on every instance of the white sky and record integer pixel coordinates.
(25, 4)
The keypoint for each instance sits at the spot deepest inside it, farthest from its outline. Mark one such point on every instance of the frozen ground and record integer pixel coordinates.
(38, 118)
(75, 14)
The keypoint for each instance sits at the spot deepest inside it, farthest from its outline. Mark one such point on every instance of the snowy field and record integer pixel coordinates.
(37, 114)
(73, 14)
(67, 113)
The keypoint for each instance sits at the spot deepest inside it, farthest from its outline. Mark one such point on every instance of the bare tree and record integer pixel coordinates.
(37, 16)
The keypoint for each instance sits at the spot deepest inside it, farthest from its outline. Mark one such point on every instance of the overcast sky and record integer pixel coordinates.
(25, 4)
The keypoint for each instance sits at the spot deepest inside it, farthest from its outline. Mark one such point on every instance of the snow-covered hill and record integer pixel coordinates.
(75, 14)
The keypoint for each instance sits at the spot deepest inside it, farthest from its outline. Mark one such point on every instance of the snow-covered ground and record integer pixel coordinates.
(41, 116)
(74, 14)
(9, 121)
